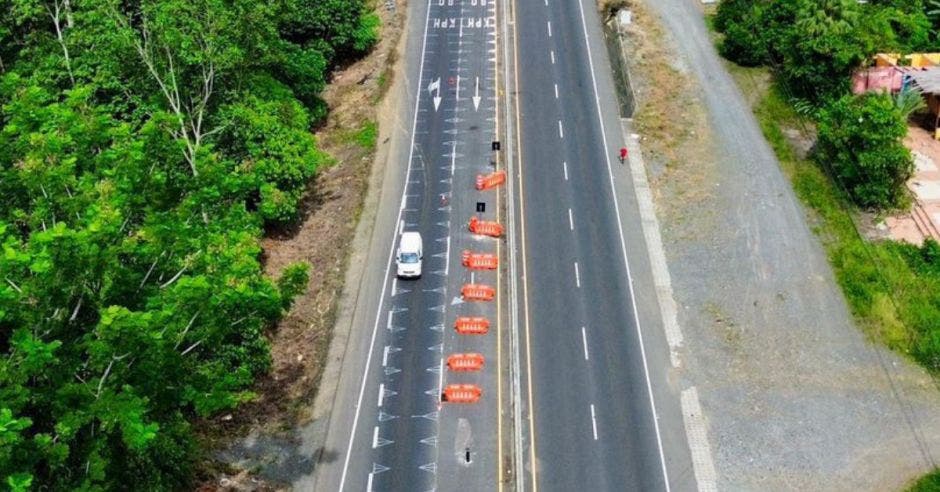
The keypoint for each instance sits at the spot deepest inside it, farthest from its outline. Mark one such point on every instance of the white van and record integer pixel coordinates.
(410, 253)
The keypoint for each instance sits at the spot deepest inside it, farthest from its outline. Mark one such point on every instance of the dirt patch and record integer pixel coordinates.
(672, 122)
(793, 394)
(329, 214)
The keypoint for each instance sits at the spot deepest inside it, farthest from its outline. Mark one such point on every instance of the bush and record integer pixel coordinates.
(860, 143)
(740, 21)
(823, 47)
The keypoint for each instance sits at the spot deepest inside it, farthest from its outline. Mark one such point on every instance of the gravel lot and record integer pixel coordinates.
(795, 396)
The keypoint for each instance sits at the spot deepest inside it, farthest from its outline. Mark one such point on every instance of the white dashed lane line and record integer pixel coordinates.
(549, 28)
(584, 341)
(593, 421)
(565, 166)
(561, 130)
(570, 220)
(577, 275)
(553, 56)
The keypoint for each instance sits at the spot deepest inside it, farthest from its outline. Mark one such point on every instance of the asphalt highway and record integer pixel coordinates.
(594, 424)
(400, 435)
(585, 386)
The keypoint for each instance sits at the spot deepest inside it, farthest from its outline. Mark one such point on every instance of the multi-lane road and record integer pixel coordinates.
(575, 394)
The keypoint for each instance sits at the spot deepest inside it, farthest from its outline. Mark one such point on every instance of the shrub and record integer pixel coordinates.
(860, 143)
(740, 21)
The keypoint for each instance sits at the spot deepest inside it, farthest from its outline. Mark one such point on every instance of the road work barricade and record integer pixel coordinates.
(479, 261)
(485, 228)
(491, 180)
(461, 393)
(472, 326)
(477, 292)
(465, 362)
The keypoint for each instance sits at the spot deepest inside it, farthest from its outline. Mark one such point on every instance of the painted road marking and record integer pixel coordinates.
(388, 266)
(594, 421)
(561, 130)
(556, 91)
(553, 56)
(447, 257)
(440, 377)
(577, 275)
(381, 394)
(385, 352)
(549, 28)
(623, 249)
(525, 282)
(565, 166)
(570, 220)
(584, 341)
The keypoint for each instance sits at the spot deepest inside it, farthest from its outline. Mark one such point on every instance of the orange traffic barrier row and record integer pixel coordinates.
(465, 362)
(477, 292)
(472, 326)
(491, 180)
(485, 228)
(479, 261)
(461, 393)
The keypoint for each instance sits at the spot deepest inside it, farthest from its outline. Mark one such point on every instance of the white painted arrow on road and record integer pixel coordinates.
(435, 88)
(476, 97)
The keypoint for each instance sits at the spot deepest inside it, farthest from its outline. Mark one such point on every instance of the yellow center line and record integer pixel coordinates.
(499, 298)
(525, 276)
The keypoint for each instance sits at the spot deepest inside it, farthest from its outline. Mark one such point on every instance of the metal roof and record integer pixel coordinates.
(927, 80)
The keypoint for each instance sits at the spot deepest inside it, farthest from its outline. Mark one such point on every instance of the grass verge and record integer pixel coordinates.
(893, 289)
(927, 483)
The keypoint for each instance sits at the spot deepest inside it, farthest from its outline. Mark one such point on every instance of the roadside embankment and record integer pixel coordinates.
(795, 396)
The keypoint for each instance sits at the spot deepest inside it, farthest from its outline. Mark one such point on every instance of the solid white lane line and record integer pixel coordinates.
(570, 220)
(375, 437)
(388, 264)
(553, 57)
(577, 275)
(561, 131)
(381, 393)
(556, 91)
(447, 257)
(440, 379)
(565, 165)
(623, 249)
(549, 28)
(593, 421)
(584, 341)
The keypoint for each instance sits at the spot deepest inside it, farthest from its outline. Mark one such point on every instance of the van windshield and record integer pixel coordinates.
(409, 257)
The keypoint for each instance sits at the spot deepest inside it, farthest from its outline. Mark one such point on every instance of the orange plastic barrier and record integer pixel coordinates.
(485, 228)
(465, 362)
(491, 180)
(461, 393)
(472, 326)
(477, 292)
(479, 261)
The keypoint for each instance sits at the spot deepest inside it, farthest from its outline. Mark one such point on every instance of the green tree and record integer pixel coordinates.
(825, 45)
(144, 148)
(860, 142)
(741, 21)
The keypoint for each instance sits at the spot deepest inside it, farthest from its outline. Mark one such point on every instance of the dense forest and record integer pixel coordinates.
(145, 147)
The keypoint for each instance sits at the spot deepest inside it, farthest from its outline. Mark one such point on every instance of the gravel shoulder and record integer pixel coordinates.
(795, 396)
